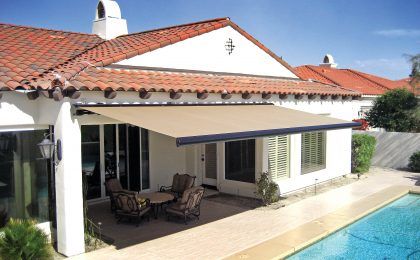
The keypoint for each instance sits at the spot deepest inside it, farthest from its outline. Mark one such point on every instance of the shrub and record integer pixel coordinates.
(414, 163)
(267, 190)
(22, 239)
(362, 149)
(395, 111)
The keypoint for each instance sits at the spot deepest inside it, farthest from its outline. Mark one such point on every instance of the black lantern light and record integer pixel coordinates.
(47, 148)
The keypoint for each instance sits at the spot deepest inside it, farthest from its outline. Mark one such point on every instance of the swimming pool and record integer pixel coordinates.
(392, 232)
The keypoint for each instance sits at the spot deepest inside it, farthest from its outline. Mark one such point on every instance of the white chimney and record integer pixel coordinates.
(108, 23)
(328, 62)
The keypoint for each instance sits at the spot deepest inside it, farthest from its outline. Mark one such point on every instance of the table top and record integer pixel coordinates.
(157, 197)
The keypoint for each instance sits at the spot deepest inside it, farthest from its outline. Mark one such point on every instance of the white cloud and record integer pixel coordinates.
(394, 68)
(398, 33)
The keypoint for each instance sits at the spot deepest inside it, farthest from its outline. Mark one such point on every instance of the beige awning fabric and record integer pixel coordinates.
(190, 124)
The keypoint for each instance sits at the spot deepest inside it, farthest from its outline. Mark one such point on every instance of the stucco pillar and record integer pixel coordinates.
(68, 184)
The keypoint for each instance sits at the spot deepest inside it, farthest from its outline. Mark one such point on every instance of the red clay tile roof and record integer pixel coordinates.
(27, 52)
(30, 58)
(367, 84)
(167, 81)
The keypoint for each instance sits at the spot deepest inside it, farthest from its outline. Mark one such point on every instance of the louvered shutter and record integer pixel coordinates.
(211, 161)
(278, 157)
(313, 152)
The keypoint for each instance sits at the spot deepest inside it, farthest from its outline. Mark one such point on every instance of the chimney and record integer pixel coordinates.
(108, 23)
(328, 62)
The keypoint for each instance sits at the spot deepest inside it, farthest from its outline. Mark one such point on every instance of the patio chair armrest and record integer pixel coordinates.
(165, 188)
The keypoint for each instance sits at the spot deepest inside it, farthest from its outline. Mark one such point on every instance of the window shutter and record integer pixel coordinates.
(278, 157)
(313, 152)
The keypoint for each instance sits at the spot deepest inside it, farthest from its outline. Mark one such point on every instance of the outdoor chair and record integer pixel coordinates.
(113, 187)
(180, 183)
(129, 206)
(188, 205)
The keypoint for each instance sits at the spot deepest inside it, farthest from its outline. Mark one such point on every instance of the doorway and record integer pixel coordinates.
(114, 151)
(209, 164)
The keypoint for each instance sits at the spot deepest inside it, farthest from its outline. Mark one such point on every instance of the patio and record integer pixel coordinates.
(234, 228)
(214, 206)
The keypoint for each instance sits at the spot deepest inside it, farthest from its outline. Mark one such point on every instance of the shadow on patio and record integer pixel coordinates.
(125, 234)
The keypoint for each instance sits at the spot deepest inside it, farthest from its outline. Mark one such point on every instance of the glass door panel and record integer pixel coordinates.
(134, 157)
(91, 160)
(110, 153)
(24, 177)
(122, 155)
(145, 180)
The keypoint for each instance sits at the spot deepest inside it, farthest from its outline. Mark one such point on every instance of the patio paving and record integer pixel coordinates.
(233, 229)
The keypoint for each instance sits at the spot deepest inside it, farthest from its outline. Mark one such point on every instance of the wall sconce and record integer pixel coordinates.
(48, 149)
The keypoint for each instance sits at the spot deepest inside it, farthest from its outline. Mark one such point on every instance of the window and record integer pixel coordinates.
(101, 11)
(278, 157)
(24, 177)
(240, 161)
(313, 152)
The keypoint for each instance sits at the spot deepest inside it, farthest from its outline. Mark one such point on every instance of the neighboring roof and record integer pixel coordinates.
(31, 58)
(166, 81)
(367, 84)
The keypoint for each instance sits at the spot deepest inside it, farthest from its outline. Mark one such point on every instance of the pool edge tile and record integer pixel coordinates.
(325, 225)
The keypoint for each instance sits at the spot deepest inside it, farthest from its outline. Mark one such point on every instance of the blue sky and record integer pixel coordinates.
(370, 36)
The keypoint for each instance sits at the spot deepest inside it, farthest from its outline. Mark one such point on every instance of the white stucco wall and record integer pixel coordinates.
(207, 53)
(166, 159)
(365, 102)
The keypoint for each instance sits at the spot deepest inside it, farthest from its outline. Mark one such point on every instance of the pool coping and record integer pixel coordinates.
(311, 232)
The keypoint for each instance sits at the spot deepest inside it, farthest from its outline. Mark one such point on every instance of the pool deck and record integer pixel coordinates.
(310, 232)
(249, 234)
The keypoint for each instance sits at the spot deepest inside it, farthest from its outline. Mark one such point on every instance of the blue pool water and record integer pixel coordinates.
(392, 232)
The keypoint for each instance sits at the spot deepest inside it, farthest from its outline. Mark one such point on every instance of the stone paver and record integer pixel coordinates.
(230, 235)
(312, 231)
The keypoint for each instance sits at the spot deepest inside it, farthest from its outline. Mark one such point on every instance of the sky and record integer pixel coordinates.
(372, 36)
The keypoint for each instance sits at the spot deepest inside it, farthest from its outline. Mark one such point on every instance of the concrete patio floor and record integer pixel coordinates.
(238, 229)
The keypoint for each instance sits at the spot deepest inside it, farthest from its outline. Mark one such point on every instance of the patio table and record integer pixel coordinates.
(157, 199)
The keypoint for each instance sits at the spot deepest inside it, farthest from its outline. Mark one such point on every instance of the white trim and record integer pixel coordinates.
(17, 128)
(102, 159)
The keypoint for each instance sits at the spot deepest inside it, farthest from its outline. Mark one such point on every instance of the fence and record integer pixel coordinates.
(393, 149)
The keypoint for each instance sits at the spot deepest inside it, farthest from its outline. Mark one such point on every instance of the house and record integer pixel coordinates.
(369, 85)
(204, 98)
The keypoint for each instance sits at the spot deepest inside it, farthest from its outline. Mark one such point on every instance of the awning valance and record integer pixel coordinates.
(191, 124)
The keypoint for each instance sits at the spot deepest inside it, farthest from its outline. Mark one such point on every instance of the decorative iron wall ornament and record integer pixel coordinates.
(229, 46)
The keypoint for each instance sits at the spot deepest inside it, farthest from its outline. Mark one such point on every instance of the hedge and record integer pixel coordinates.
(414, 164)
(362, 149)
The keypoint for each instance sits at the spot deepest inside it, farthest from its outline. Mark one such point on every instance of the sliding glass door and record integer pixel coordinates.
(115, 151)
(24, 177)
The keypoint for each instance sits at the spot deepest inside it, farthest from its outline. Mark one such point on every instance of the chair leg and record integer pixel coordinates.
(185, 219)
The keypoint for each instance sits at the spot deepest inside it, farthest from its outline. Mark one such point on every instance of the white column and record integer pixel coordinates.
(68, 184)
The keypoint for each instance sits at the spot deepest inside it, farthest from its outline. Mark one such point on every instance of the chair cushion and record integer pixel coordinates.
(188, 182)
(177, 208)
(177, 183)
(114, 185)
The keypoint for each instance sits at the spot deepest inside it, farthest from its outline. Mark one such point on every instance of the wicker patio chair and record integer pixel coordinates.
(180, 183)
(129, 206)
(113, 186)
(189, 205)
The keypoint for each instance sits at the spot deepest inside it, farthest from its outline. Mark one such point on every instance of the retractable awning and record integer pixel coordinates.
(192, 124)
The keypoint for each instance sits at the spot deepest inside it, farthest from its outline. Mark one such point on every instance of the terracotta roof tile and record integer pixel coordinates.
(151, 80)
(367, 84)
(30, 57)
(27, 52)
